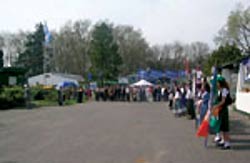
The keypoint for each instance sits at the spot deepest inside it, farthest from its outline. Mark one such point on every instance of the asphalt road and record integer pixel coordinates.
(111, 133)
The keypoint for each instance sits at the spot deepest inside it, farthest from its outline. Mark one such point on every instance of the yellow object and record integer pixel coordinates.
(48, 87)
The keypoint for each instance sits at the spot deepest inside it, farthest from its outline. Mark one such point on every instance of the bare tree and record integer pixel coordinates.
(71, 46)
(133, 48)
(12, 44)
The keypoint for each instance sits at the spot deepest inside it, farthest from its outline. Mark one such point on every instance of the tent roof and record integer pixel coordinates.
(142, 83)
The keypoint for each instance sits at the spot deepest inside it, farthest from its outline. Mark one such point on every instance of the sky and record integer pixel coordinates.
(161, 21)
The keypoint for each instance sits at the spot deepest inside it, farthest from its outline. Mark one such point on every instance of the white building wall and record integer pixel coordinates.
(242, 98)
(243, 101)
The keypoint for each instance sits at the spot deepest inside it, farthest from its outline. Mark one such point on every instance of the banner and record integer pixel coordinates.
(175, 74)
(246, 68)
(157, 74)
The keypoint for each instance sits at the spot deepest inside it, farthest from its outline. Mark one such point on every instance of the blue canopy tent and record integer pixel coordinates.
(142, 74)
(66, 84)
(156, 74)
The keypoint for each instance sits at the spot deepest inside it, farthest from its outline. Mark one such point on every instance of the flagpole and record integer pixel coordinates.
(214, 71)
(44, 57)
(44, 47)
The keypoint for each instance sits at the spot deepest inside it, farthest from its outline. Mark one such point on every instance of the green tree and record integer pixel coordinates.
(103, 51)
(32, 58)
(237, 29)
(223, 55)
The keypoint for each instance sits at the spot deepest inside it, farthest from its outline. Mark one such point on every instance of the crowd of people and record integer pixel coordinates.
(196, 105)
(128, 93)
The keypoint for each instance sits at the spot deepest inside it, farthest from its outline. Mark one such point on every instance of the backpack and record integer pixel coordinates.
(229, 100)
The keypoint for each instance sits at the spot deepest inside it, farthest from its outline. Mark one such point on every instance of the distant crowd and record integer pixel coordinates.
(127, 93)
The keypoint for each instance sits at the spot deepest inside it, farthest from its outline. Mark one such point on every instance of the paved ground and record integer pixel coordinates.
(111, 133)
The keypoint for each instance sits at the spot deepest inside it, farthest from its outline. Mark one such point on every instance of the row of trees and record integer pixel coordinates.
(109, 50)
(104, 49)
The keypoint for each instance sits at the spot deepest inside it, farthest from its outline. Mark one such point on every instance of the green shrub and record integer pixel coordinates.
(38, 93)
(51, 95)
(70, 102)
(12, 97)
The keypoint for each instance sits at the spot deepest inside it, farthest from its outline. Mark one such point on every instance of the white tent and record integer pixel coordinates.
(142, 83)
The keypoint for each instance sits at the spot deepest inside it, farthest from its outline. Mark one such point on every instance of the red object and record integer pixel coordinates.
(186, 64)
(203, 130)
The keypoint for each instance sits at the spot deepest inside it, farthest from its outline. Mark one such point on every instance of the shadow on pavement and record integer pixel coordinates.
(241, 147)
(238, 127)
(240, 133)
(240, 144)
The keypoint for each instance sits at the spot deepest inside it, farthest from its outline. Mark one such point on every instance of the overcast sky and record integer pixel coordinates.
(161, 21)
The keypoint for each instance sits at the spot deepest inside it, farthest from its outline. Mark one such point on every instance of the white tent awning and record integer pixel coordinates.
(142, 83)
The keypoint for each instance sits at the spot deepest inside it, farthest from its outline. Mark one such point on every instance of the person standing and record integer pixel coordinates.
(89, 93)
(140, 94)
(224, 100)
(159, 93)
(105, 93)
(127, 92)
(177, 98)
(123, 92)
(154, 93)
(166, 94)
(162, 92)
(171, 98)
(80, 95)
(190, 102)
(149, 94)
(198, 81)
(118, 93)
(183, 100)
(205, 101)
(27, 96)
(60, 96)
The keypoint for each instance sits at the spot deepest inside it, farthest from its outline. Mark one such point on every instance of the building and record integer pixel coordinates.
(243, 86)
(237, 74)
(10, 76)
(52, 79)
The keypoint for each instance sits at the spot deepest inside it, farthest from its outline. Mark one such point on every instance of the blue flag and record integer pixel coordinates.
(47, 34)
